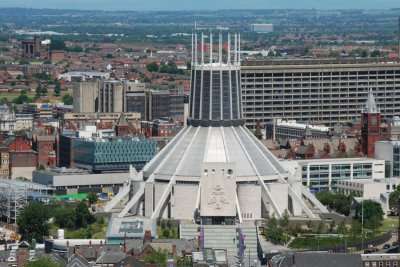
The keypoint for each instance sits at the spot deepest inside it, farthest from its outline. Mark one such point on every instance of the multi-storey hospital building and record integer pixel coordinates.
(317, 91)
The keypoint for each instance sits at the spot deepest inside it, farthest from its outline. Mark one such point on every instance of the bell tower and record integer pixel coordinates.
(370, 126)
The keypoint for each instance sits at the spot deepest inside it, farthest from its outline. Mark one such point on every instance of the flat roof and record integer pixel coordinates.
(18, 184)
(295, 124)
(336, 160)
(326, 61)
(131, 227)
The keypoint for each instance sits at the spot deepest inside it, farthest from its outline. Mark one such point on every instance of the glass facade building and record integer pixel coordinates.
(324, 175)
(114, 154)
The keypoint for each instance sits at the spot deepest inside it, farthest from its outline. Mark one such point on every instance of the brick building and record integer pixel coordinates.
(23, 159)
(371, 131)
(45, 148)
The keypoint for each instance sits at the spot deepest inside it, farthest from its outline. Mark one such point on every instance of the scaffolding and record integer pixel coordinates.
(15, 194)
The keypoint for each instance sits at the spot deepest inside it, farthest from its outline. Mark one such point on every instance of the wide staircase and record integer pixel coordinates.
(222, 237)
(188, 231)
(250, 253)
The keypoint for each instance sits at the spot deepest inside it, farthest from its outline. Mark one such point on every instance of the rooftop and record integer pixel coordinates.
(294, 124)
(304, 61)
(184, 155)
(305, 161)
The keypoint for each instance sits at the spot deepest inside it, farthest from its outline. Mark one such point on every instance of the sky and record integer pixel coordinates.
(200, 4)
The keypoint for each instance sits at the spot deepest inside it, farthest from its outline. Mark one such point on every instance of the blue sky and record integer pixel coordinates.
(200, 4)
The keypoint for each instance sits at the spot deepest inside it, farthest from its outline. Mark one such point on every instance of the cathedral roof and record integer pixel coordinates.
(184, 155)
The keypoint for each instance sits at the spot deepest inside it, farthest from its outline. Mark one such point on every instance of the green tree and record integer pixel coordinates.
(43, 262)
(82, 215)
(68, 99)
(3, 101)
(22, 98)
(394, 199)
(375, 53)
(57, 89)
(64, 217)
(32, 222)
(76, 49)
(372, 212)
(342, 230)
(152, 67)
(57, 44)
(157, 257)
(92, 198)
(355, 229)
(39, 91)
(338, 202)
(284, 221)
(273, 232)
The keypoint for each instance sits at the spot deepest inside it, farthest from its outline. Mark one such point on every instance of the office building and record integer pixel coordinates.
(112, 154)
(70, 181)
(85, 96)
(317, 91)
(389, 151)
(324, 174)
(154, 104)
(111, 96)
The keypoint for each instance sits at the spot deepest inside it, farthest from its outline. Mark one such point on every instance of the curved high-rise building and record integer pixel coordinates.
(215, 171)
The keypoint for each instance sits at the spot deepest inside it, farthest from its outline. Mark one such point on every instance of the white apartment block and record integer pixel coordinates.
(317, 91)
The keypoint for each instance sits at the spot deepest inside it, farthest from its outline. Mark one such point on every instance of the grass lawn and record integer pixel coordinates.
(312, 242)
(390, 223)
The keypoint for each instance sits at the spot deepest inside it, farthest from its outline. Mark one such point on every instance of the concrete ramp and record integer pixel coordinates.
(134, 200)
(314, 201)
(122, 194)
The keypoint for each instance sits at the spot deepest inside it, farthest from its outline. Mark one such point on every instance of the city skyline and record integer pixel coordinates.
(141, 5)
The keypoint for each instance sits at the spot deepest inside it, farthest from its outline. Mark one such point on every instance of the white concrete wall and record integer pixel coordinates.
(22, 172)
(249, 196)
(148, 201)
(384, 150)
(280, 194)
(184, 201)
(378, 170)
(159, 190)
(374, 190)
